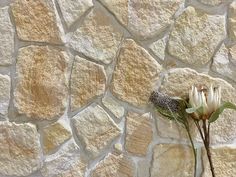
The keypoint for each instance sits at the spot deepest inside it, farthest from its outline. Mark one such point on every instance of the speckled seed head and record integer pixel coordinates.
(163, 101)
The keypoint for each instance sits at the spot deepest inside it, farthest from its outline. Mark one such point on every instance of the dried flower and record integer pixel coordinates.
(207, 99)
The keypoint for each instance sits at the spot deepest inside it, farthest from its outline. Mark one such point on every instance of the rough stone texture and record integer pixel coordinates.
(6, 37)
(213, 2)
(53, 136)
(65, 163)
(42, 84)
(232, 21)
(221, 63)
(224, 159)
(113, 106)
(88, 81)
(177, 82)
(196, 36)
(158, 48)
(119, 8)
(5, 86)
(72, 10)
(97, 38)
(143, 168)
(172, 161)
(135, 74)
(233, 54)
(19, 149)
(95, 129)
(138, 133)
(37, 21)
(115, 166)
(148, 18)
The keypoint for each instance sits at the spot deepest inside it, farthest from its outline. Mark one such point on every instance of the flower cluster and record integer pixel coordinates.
(207, 99)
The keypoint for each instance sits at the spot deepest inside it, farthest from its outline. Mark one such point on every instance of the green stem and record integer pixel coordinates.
(193, 148)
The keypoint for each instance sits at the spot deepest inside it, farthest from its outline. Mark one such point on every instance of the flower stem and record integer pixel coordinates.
(193, 148)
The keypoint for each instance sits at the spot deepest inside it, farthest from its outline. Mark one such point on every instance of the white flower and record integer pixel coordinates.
(210, 101)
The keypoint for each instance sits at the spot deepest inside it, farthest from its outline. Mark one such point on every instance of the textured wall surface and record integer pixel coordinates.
(76, 75)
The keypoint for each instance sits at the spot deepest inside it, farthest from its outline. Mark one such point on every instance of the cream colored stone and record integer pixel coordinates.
(233, 54)
(72, 10)
(135, 74)
(116, 108)
(221, 63)
(158, 48)
(53, 136)
(19, 149)
(172, 161)
(115, 166)
(232, 21)
(95, 129)
(97, 38)
(196, 36)
(42, 84)
(213, 2)
(5, 87)
(37, 21)
(88, 81)
(224, 160)
(138, 133)
(6, 37)
(119, 8)
(177, 82)
(65, 163)
(148, 18)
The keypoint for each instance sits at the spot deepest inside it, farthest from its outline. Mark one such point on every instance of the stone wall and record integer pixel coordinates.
(76, 75)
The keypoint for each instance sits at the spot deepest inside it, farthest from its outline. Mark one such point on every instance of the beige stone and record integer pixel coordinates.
(233, 54)
(115, 166)
(6, 37)
(158, 48)
(53, 136)
(143, 168)
(37, 21)
(65, 163)
(177, 82)
(232, 21)
(196, 36)
(224, 160)
(95, 129)
(172, 161)
(42, 84)
(138, 133)
(119, 8)
(117, 109)
(72, 10)
(213, 2)
(88, 81)
(5, 87)
(135, 74)
(19, 149)
(148, 18)
(97, 38)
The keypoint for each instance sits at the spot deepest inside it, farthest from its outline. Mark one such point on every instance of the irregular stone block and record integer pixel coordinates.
(72, 10)
(88, 81)
(95, 129)
(195, 36)
(41, 83)
(115, 166)
(20, 153)
(53, 136)
(5, 87)
(135, 74)
(138, 133)
(97, 38)
(172, 160)
(6, 37)
(37, 21)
